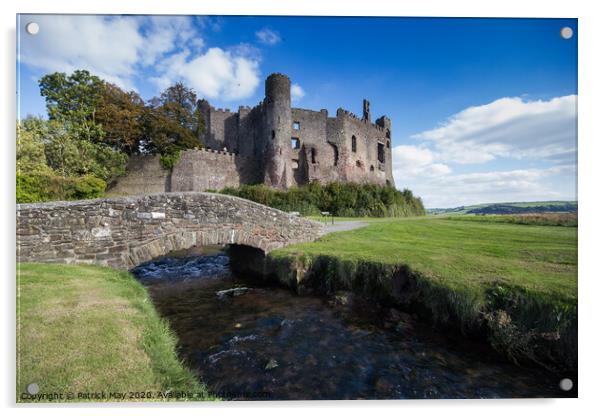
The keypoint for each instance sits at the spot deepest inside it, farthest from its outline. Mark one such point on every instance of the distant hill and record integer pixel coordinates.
(508, 208)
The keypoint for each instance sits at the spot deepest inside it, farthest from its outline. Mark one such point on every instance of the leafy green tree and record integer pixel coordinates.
(70, 156)
(31, 158)
(120, 115)
(72, 100)
(173, 121)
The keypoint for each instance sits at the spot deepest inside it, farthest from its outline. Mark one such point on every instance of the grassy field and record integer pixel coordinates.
(519, 280)
(93, 329)
(564, 219)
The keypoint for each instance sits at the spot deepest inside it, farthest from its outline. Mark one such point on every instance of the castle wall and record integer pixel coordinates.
(363, 165)
(145, 175)
(259, 148)
(200, 170)
(315, 158)
(251, 142)
(222, 129)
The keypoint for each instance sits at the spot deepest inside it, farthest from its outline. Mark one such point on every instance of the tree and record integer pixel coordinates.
(36, 178)
(120, 115)
(72, 100)
(70, 156)
(173, 121)
(31, 158)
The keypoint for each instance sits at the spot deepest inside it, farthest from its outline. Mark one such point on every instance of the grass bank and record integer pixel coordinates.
(517, 284)
(87, 329)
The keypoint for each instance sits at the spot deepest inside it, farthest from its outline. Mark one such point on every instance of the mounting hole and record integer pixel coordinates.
(566, 32)
(32, 28)
(566, 384)
(33, 388)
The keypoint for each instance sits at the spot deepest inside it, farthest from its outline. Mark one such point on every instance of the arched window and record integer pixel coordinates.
(380, 152)
(273, 134)
(371, 168)
(313, 155)
(358, 163)
(295, 143)
(388, 144)
(335, 150)
(353, 144)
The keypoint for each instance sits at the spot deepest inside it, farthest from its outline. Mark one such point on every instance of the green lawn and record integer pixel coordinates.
(467, 268)
(93, 329)
(464, 253)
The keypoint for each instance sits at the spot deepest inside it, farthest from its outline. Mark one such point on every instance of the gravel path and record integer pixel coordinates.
(344, 226)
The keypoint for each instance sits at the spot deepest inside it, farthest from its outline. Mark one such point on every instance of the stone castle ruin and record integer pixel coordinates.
(274, 144)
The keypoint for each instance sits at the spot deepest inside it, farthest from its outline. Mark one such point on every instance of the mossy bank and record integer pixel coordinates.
(87, 333)
(515, 285)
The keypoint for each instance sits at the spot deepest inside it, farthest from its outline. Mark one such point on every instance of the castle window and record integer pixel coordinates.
(388, 144)
(296, 125)
(273, 134)
(313, 155)
(381, 152)
(358, 163)
(295, 143)
(388, 134)
(335, 154)
(353, 144)
(295, 164)
(371, 168)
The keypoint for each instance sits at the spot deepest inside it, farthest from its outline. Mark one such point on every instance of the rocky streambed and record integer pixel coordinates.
(251, 341)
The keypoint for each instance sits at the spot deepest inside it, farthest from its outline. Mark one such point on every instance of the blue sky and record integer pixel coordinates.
(483, 110)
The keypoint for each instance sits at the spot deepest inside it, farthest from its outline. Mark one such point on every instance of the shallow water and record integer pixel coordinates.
(268, 343)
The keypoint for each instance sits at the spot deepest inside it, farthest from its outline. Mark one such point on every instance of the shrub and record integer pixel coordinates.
(50, 187)
(169, 160)
(340, 199)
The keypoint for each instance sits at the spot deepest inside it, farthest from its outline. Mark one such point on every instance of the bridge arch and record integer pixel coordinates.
(125, 232)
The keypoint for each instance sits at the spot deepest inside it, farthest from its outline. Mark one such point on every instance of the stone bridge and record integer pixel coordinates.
(125, 232)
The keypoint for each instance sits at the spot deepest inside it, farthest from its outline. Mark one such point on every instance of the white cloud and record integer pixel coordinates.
(162, 35)
(214, 74)
(540, 133)
(444, 191)
(110, 47)
(268, 36)
(121, 49)
(413, 161)
(508, 127)
(297, 92)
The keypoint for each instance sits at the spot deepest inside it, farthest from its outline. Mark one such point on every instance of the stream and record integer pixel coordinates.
(250, 341)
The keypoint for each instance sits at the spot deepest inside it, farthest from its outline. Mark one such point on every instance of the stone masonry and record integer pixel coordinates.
(125, 232)
(275, 144)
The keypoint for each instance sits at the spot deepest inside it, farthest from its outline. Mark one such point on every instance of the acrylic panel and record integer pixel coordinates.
(295, 208)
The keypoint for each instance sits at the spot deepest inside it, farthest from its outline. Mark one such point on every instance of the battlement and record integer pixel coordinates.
(221, 110)
(215, 151)
(342, 113)
(280, 145)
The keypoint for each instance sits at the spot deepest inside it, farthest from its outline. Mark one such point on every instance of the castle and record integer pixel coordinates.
(274, 144)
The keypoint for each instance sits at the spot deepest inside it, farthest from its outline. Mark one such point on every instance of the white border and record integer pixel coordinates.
(590, 202)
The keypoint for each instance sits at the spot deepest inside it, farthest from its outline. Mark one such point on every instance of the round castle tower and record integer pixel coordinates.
(278, 124)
